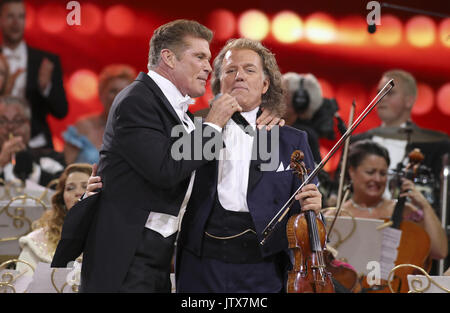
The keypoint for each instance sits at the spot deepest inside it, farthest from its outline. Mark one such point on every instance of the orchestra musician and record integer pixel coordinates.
(368, 164)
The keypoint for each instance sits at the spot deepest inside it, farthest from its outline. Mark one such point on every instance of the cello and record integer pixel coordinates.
(414, 245)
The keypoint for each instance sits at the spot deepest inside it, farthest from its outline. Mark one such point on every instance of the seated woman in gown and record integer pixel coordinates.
(40, 244)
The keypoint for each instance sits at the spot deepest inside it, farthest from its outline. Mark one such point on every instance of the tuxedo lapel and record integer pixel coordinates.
(255, 173)
(143, 77)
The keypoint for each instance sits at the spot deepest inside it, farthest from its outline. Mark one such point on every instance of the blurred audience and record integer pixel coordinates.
(35, 75)
(17, 159)
(40, 244)
(84, 139)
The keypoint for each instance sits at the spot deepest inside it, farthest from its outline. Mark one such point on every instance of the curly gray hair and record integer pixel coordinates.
(273, 98)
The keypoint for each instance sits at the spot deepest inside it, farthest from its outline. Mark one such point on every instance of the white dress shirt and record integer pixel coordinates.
(396, 149)
(234, 164)
(17, 59)
(166, 224)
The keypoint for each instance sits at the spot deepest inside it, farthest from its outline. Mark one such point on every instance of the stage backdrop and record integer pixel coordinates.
(329, 39)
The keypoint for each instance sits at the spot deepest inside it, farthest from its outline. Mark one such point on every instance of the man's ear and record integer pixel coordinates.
(410, 100)
(168, 57)
(266, 85)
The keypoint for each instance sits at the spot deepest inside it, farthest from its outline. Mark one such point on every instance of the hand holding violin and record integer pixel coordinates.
(310, 198)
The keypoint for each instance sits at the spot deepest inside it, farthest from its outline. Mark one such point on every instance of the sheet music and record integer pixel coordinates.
(389, 252)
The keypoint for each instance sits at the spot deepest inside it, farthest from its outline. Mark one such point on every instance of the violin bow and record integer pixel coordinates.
(340, 199)
(286, 207)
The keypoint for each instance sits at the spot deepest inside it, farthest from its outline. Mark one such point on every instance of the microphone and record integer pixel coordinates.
(24, 165)
(238, 119)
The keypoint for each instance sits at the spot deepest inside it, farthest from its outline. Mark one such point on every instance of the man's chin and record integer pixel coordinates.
(197, 93)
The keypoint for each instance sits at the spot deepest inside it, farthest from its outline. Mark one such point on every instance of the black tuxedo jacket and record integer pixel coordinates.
(139, 176)
(56, 102)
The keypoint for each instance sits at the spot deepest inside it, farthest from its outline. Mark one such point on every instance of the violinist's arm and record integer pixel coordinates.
(430, 222)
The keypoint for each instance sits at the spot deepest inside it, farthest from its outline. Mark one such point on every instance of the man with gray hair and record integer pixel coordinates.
(17, 159)
(233, 199)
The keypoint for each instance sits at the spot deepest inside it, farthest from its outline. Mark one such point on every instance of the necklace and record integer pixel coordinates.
(369, 209)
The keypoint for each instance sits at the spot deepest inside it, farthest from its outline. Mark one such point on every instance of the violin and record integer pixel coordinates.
(414, 247)
(306, 235)
(346, 276)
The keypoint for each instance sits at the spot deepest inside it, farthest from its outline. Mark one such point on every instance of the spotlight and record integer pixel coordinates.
(372, 28)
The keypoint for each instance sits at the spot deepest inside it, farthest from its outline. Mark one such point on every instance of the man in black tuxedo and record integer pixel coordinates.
(37, 74)
(130, 243)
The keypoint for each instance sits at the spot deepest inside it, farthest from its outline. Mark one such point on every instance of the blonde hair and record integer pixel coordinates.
(52, 220)
(114, 71)
(407, 81)
(273, 98)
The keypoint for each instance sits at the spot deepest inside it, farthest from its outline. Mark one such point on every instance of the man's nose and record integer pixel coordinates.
(378, 177)
(239, 75)
(208, 67)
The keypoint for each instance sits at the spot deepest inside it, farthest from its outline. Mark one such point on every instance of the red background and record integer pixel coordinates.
(122, 36)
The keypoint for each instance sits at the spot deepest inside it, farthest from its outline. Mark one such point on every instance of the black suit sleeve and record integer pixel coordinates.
(56, 101)
(142, 141)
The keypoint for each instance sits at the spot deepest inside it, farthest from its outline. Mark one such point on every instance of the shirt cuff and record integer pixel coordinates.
(218, 128)
(47, 89)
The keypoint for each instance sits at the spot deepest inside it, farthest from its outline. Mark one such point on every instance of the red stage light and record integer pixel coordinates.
(444, 32)
(425, 100)
(52, 18)
(345, 95)
(91, 19)
(254, 24)
(320, 28)
(390, 31)
(119, 20)
(420, 31)
(83, 85)
(352, 30)
(223, 23)
(30, 17)
(443, 99)
(327, 89)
